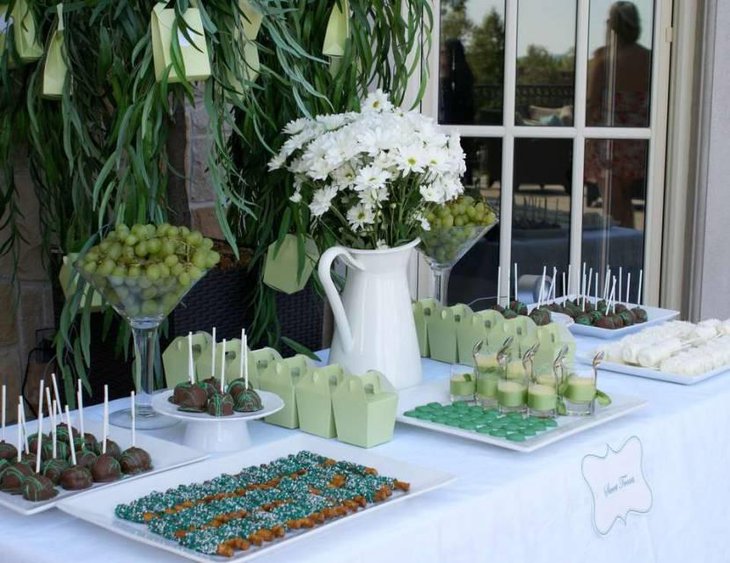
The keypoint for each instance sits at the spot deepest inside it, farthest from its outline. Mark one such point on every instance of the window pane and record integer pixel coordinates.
(545, 63)
(619, 65)
(541, 206)
(614, 209)
(474, 278)
(471, 62)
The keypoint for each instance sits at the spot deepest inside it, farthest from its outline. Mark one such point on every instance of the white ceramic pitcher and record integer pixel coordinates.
(374, 318)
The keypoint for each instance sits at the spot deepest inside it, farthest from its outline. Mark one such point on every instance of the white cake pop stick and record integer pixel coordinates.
(54, 431)
(551, 293)
(70, 437)
(628, 288)
(565, 287)
(212, 365)
(20, 428)
(134, 421)
(105, 424)
(583, 280)
(499, 285)
(49, 406)
(5, 402)
(596, 292)
(605, 287)
(570, 274)
(223, 367)
(25, 429)
(638, 295)
(241, 355)
(612, 298)
(55, 390)
(620, 282)
(191, 367)
(40, 396)
(39, 440)
(516, 282)
(245, 359)
(80, 401)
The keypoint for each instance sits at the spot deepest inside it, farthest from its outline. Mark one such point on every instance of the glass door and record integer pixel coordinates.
(562, 111)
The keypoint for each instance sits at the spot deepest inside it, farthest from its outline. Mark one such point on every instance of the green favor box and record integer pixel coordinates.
(258, 362)
(422, 312)
(481, 326)
(523, 330)
(552, 338)
(281, 269)
(442, 332)
(314, 400)
(282, 378)
(365, 409)
(175, 357)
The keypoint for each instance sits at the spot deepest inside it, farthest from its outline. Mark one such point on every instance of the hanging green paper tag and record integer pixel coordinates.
(55, 70)
(338, 30)
(193, 47)
(24, 32)
(252, 19)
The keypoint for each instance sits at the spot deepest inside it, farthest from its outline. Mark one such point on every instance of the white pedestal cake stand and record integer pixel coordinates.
(217, 434)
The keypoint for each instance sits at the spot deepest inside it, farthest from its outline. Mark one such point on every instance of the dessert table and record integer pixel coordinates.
(504, 505)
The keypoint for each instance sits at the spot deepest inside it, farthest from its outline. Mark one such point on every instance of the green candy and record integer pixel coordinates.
(498, 432)
(516, 437)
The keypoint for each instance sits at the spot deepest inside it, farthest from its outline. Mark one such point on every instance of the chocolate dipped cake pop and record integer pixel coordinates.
(106, 469)
(62, 432)
(112, 448)
(8, 451)
(135, 460)
(248, 401)
(220, 405)
(53, 469)
(211, 386)
(87, 458)
(12, 476)
(76, 478)
(190, 397)
(36, 488)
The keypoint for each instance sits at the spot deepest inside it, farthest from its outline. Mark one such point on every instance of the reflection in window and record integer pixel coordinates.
(474, 278)
(614, 206)
(471, 62)
(545, 63)
(619, 67)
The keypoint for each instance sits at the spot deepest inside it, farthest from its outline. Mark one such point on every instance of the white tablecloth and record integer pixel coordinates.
(504, 506)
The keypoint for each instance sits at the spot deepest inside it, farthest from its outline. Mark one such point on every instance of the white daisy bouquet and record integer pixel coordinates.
(369, 179)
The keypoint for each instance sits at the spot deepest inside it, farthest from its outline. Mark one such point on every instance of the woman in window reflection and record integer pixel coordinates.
(456, 106)
(618, 96)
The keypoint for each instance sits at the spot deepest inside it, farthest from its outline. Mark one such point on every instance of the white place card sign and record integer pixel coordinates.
(617, 483)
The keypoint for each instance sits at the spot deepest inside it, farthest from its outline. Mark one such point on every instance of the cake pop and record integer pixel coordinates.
(37, 488)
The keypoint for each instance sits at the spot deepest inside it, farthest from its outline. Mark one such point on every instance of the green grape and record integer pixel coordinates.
(149, 308)
(153, 272)
(212, 258)
(141, 249)
(195, 273)
(184, 279)
(168, 248)
(115, 251)
(90, 267)
(149, 293)
(184, 231)
(207, 244)
(127, 253)
(104, 246)
(164, 270)
(154, 245)
(106, 267)
(144, 282)
(131, 240)
(173, 232)
(119, 271)
(199, 260)
(139, 230)
(194, 238)
(177, 269)
(162, 229)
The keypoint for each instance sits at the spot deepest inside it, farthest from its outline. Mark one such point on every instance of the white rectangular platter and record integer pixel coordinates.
(567, 425)
(655, 316)
(165, 455)
(97, 507)
(650, 373)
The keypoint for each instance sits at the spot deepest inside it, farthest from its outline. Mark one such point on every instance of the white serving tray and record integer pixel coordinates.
(655, 316)
(97, 507)
(651, 373)
(165, 455)
(272, 403)
(567, 425)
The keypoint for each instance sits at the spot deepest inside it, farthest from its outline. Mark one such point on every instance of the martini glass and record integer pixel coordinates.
(444, 247)
(143, 304)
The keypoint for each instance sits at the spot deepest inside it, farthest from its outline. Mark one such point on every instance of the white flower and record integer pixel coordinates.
(419, 218)
(360, 215)
(371, 177)
(374, 196)
(322, 200)
(377, 101)
(277, 162)
(296, 197)
(381, 245)
(296, 126)
(411, 158)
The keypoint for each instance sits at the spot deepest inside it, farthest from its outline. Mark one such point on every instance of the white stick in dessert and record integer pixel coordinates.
(51, 410)
(628, 288)
(516, 282)
(55, 390)
(551, 294)
(620, 282)
(565, 287)
(223, 367)
(80, 401)
(611, 306)
(596, 282)
(641, 280)
(583, 280)
(499, 288)
(134, 421)
(588, 285)
(570, 274)
(39, 442)
(40, 396)
(71, 437)
(244, 344)
(54, 431)
(4, 402)
(191, 367)
(23, 424)
(604, 295)
(105, 423)
(241, 353)
(212, 359)
(20, 428)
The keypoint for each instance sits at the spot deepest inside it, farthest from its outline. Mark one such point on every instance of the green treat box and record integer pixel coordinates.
(479, 326)
(258, 362)
(552, 337)
(422, 312)
(281, 269)
(192, 44)
(175, 357)
(281, 377)
(314, 400)
(442, 332)
(365, 409)
(523, 331)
